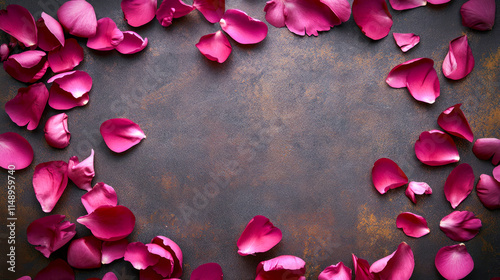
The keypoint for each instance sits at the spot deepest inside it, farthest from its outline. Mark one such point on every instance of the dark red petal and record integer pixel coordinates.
(85, 253)
(139, 12)
(50, 233)
(49, 182)
(17, 152)
(100, 195)
(413, 225)
(454, 262)
(362, 269)
(78, 17)
(282, 267)
(50, 33)
(66, 57)
(18, 22)
(387, 175)
(113, 250)
(56, 131)
(138, 255)
(174, 250)
(28, 105)
(212, 10)
(28, 66)
(215, 46)
(407, 4)
(107, 36)
(436, 148)
(478, 14)
(372, 17)
(81, 173)
(170, 9)
(208, 271)
(460, 225)
(397, 266)
(459, 61)
(488, 191)
(260, 235)
(121, 134)
(70, 89)
(406, 41)
(132, 43)
(459, 184)
(454, 122)
(336, 272)
(486, 148)
(109, 223)
(56, 270)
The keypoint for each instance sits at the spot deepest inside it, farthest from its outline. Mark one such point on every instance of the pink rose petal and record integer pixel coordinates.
(113, 250)
(243, 28)
(85, 253)
(407, 4)
(361, 269)
(28, 66)
(454, 262)
(397, 266)
(170, 9)
(496, 173)
(387, 175)
(4, 52)
(18, 22)
(50, 33)
(459, 61)
(436, 148)
(49, 182)
(488, 191)
(460, 225)
(260, 235)
(139, 12)
(50, 233)
(417, 188)
(406, 41)
(100, 195)
(215, 46)
(132, 43)
(478, 14)
(16, 152)
(419, 76)
(336, 272)
(24, 278)
(282, 267)
(107, 36)
(413, 225)
(109, 276)
(459, 184)
(81, 173)
(56, 131)
(121, 134)
(138, 255)
(109, 223)
(208, 271)
(486, 148)
(372, 17)
(175, 252)
(78, 17)
(165, 264)
(212, 10)
(437, 2)
(454, 122)
(56, 270)
(70, 89)
(28, 105)
(66, 57)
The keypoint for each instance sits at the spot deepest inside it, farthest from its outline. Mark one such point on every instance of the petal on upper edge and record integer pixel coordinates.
(478, 14)
(280, 267)
(459, 184)
(107, 36)
(406, 41)
(66, 57)
(4, 52)
(459, 60)
(113, 250)
(454, 262)
(132, 43)
(101, 194)
(170, 9)
(243, 28)
(372, 17)
(413, 225)
(488, 191)
(78, 17)
(85, 253)
(56, 270)
(336, 272)
(212, 10)
(486, 148)
(407, 4)
(215, 46)
(16, 152)
(70, 89)
(397, 266)
(49, 182)
(81, 173)
(460, 225)
(27, 106)
(50, 233)
(387, 175)
(50, 33)
(174, 250)
(454, 122)
(260, 235)
(121, 134)
(436, 148)
(496, 173)
(361, 269)
(18, 22)
(417, 188)
(208, 271)
(138, 255)
(109, 223)
(139, 12)
(28, 66)
(56, 131)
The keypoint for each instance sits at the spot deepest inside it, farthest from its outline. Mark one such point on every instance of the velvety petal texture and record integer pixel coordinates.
(406, 41)
(215, 46)
(412, 224)
(387, 175)
(100, 195)
(460, 225)
(260, 235)
(419, 76)
(454, 122)
(478, 14)
(28, 105)
(459, 184)
(107, 36)
(138, 255)
(212, 10)
(418, 188)
(487, 148)
(459, 61)
(436, 148)
(454, 262)
(336, 272)
(397, 266)
(208, 271)
(69, 90)
(113, 250)
(85, 253)
(170, 9)
(282, 267)
(66, 57)
(50, 233)
(109, 223)
(18, 22)
(56, 270)
(361, 269)
(50, 33)
(372, 17)
(56, 131)
(175, 252)
(49, 182)
(488, 191)
(243, 28)
(139, 12)
(16, 152)
(132, 43)
(81, 173)
(121, 134)
(78, 17)
(407, 4)
(28, 66)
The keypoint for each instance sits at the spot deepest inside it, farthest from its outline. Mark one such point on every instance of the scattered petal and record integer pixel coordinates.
(50, 233)
(132, 43)
(28, 66)
(280, 267)
(488, 191)
(486, 148)
(139, 12)
(56, 131)
(165, 264)
(215, 46)
(454, 122)
(56, 270)
(387, 175)
(138, 255)
(100, 195)
(18, 22)
(336, 272)
(406, 41)
(78, 17)
(109, 276)
(107, 36)
(260, 235)
(50, 33)
(459, 184)
(212, 10)
(85, 253)
(66, 57)
(16, 152)
(4, 52)
(28, 105)
(459, 61)
(243, 28)
(372, 17)
(208, 271)
(460, 225)
(170, 9)
(121, 134)
(81, 173)
(478, 14)
(49, 182)
(113, 250)
(417, 188)
(109, 223)
(70, 89)
(174, 250)
(361, 269)
(454, 262)
(397, 266)
(436, 148)
(407, 4)
(496, 173)
(413, 225)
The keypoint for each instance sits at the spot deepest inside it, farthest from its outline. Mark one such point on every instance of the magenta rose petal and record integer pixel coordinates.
(132, 43)
(100, 195)
(139, 12)
(454, 262)
(496, 173)
(459, 184)
(454, 122)
(398, 265)
(361, 269)
(56, 131)
(56, 270)
(459, 61)
(24, 278)
(387, 175)
(486, 148)
(28, 66)
(243, 28)
(81, 173)
(174, 250)
(49, 182)
(50, 33)
(400, 5)
(372, 17)
(4, 52)
(18, 22)
(418, 188)
(260, 235)
(138, 255)
(281, 267)
(336, 272)
(169, 10)
(17, 152)
(113, 250)
(70, 89)
(212, 10)
(66, 57)
(165, 264)
(406, 41)
(437, 2)
(488, 191)
(436, 148)
(413, 225)
(208, 271)
(460, 225)
(50, 233)
(85, 253)
(478, 14)
(215, 46)
(121, 134)
(28, 105)
(109, 223)
(109, 276)
(107, 36)
(78, 17)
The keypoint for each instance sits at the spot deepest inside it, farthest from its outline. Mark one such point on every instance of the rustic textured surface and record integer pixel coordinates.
(288, 128)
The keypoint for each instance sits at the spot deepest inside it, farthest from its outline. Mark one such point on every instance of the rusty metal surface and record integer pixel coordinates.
(288, 128)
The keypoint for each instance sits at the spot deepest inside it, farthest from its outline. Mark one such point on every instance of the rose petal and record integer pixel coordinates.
(413, 225)
(170, 9)
(132, 43)
(406, 41)
(372, 17)
(107, 36)
(121, 134)
(113, 250)
(165, 264)
(478, 14)
(212, 10)
(100, 195)
(70, 89)
(419, 76)
(28, 66)
(50, 33)
(109, 276)
(56, 131)
(109, 223)
(28, 105)
(81, 173)
(488, 191)
(16, 152)
(486, 148)
(243, 28)
(397, 266)
(85, 253)
(436, 148)
(4, 52)
(387, 175)
(496, 173)
(336, 272)
(56, 270)
(407, 4)
(50, 233)
(78, 17)
(459, 184)
(215, 46)
(459, 61)
(417, 188)
(260, 235)
(437, 2)
(49, 182)
(174, 250)
(18, 22)
(208, 271)
(139, 12)
(24, 278)
(460, 225)
(361, 269)
(454, 262)
(66, 57)
(138, 255)
(282, 267)
(454, 122)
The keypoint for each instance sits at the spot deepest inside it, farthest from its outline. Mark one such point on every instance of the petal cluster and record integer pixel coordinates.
(101, 194)
(28, 66)
(50, 33)
(66, 57)
(69, 90)
(109, 223)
